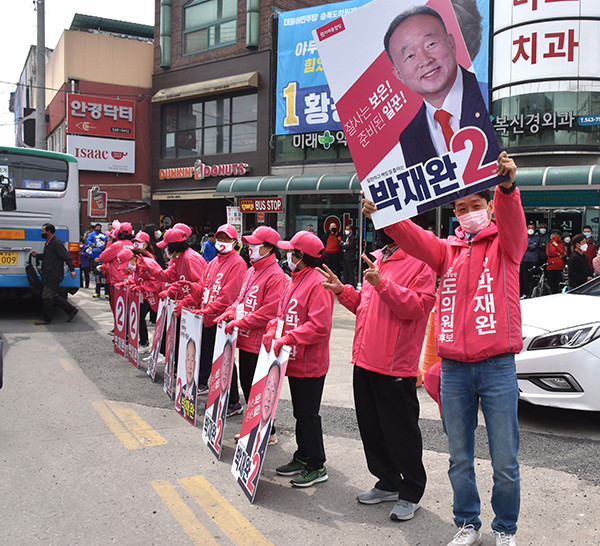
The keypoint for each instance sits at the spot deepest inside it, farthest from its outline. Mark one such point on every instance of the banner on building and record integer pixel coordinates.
(387, 107)
(100, 116)
(258, 419)
(188, 365)
(218, 392)
(102, 154)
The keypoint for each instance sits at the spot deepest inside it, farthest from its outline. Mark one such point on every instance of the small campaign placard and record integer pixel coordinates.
(218, 393)
(159, 330)
(133, 340)
(258, 419)
(120, 316)
(188, 365)
(410, 105)
(170, 352)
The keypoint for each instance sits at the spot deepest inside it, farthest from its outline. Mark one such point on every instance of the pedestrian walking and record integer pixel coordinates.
(478, 332)
(530, 259)
(54, 258)
(332, 241)
(391, 311)
(555, 251)
(349, 246)
(580, 271)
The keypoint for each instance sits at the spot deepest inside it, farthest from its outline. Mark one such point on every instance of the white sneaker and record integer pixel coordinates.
(504, 539)
(466, 536)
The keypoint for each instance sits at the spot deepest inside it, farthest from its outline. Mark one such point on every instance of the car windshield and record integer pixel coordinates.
(590, 288)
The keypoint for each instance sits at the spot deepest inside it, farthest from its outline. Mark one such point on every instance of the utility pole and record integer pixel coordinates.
(40, 78)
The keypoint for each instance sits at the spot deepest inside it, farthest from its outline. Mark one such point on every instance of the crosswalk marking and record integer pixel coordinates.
(235, 526)
(130, 429)
(182, 513)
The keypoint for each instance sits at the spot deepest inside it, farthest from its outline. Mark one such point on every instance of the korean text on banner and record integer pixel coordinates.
(188, 365)
(413, 114)
(258, 419)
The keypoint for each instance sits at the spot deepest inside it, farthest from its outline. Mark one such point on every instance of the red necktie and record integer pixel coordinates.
(443, 118)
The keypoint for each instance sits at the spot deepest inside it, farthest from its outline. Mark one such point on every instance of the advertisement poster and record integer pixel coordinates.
(410, 105)
(159, 331)
(218, 392)
(134, 328)
(170, 351)
(120, 316)
(258, 419)
(188, 365)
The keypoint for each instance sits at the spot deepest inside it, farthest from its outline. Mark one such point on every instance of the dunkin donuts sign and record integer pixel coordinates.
(102, 154)
(200, 171)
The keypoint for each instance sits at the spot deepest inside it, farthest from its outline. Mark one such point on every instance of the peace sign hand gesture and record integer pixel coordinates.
(371, 275)
(331, 281)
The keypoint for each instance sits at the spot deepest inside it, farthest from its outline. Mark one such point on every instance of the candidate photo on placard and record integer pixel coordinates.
(218, 393)
(258, 419)
(170, 354)
(159, 330)
(188, 365)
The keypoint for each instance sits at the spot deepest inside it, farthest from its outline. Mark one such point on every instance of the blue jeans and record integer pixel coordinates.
(493, 382)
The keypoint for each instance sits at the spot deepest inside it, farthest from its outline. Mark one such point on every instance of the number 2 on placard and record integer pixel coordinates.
(178, 390)
(256, 462)
(474, 170)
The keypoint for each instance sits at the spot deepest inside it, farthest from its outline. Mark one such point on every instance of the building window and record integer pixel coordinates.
(208, 24)
(212, 126)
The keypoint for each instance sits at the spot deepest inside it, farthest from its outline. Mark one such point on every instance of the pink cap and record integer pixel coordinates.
(142, 237)
(262, 234)
(124, 256)
(304, 241)
(125, 227)
(172, 236)
(228, 230)
(183, 227)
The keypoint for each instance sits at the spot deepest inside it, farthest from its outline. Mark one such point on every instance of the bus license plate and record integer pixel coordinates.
(9, 258)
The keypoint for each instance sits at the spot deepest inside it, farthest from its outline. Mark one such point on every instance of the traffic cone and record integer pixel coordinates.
(430, 356)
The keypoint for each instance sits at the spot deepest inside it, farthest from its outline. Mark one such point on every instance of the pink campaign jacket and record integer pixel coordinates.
(187, 266)
(478, 313)
(108, 257)
(307, 308)
(261, 293)
(149, 281)
(391, 318)
(223, 278)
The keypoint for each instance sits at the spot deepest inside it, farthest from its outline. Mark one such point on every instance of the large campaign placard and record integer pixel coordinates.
(258, 419)
(159, 331)
(414, 117)
(133, 319)
(170, 351)
(188, 365)
(218, 393)
(120, 317)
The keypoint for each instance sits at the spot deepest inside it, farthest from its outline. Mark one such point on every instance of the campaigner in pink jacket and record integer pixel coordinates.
(305, 311)
(478, 333)
(391, 316)
(256, 304)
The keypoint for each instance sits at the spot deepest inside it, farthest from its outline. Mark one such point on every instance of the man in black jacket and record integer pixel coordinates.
(53, 258)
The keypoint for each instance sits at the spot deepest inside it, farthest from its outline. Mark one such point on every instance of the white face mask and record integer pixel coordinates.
(168, 254)
(255, 254)
(131, 267)
(347, 232)
(291, 264)
(587, 234)
(474, 222)
(542, 231)
(530, 232)
(567, 239)
(583, 247)
(223, 248)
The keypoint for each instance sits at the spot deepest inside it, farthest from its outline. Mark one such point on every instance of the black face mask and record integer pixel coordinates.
(382, 239)
(44, 235)
(98, 231)
(333, 230)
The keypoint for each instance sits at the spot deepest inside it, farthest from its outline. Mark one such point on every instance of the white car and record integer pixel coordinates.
(559, 365)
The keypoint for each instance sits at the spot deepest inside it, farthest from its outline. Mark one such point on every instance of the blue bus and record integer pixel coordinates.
(36, 187)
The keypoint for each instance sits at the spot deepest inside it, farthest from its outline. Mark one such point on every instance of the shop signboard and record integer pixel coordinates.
(274, 204)
(100, 116)
(102, 154)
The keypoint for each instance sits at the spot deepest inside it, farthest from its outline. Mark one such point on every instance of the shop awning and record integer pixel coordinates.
(238, 82)
(584, 177)
(289, 185)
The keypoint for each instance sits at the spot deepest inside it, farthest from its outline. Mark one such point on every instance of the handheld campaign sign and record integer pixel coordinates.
(170, 351)
(218, 393)
(412, 111)
(258, 419)
(120, 316)
(134, 328)
(188, 365)
(159, 330)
